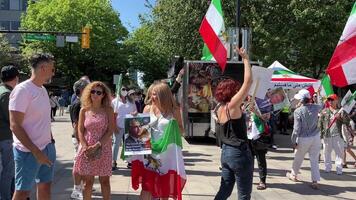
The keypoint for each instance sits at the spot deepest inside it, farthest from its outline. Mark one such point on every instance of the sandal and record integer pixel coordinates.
(261, 186)
(314, 186)
(292, 177)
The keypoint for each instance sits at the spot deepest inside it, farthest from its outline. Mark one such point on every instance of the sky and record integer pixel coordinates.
(129, 11)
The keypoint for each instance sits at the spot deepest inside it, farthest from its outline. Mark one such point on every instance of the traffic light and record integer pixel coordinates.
(86, 38)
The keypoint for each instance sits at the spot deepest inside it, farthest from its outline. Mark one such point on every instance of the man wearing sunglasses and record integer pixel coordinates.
(331, 133)
(123, 105)
(30, 122)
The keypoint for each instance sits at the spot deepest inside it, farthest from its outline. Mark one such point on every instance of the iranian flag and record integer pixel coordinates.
(342, 66)
(326, 87)
(211, 30)
(161, 173)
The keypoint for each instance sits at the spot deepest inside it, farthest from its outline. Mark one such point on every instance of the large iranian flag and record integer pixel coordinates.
(342, 66)
(211, 30)
(161, 173)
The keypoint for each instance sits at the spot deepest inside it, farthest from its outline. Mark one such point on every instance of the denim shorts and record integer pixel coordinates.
(28, 170)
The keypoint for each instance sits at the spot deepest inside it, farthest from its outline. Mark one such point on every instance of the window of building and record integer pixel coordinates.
(4, 25)
(15, 5)
(4, 4)
(15, 25)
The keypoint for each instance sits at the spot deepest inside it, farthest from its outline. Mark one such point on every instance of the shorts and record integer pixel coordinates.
(28, 170)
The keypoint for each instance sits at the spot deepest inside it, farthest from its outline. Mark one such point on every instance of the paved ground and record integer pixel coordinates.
(202, 167)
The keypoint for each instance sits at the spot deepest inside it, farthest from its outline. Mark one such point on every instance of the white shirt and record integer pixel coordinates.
(33, 101)
(122, 109)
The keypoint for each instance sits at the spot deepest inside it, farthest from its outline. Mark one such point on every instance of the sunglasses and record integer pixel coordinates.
(97, 92)
(124, 89)
(330, 99)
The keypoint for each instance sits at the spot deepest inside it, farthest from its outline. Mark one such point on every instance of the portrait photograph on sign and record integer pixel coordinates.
(137, 135)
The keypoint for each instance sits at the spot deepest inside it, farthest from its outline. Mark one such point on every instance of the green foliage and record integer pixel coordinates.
(300, 34)
(107, 54)
(146, 55)
(5, 50)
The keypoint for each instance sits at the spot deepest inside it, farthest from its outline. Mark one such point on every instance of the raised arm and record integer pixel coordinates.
(240, 96)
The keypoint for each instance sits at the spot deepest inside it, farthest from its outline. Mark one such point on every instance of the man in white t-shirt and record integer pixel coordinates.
(122, 106)
(30, 122)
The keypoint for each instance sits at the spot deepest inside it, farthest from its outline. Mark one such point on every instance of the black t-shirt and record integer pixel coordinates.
(74, 111)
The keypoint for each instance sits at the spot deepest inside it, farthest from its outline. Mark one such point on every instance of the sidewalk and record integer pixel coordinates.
(202, 161)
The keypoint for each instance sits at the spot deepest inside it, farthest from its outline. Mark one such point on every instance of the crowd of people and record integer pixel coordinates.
(28, 153)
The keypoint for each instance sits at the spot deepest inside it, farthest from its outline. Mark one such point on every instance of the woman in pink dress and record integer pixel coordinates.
(96, 121)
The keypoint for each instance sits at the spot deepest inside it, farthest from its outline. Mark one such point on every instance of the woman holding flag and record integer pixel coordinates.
(161, 174)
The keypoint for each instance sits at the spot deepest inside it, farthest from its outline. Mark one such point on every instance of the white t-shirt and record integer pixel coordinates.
(33, 101)
(122, 109)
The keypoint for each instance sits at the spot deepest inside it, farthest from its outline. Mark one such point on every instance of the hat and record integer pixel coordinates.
(333, 97)
(80, 84)
(8, 73)
(302, 94)
(131, 92)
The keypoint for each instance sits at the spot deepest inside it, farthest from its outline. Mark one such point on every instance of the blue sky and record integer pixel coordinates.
(129, 11)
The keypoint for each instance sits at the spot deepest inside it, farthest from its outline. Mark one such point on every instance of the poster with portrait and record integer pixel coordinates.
(203, 77)
(274, 100)
(137, 137)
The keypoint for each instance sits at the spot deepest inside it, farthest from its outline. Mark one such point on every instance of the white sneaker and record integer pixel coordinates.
(76, 194)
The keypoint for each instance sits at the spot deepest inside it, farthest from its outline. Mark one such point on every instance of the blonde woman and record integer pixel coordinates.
(96, 120)
(161, 174)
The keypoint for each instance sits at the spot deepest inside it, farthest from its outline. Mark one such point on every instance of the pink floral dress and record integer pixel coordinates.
(95, 126)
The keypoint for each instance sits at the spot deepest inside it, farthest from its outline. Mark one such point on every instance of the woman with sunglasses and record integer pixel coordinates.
(96, 121)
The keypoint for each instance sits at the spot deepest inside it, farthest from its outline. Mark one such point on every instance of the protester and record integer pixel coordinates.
(260, 152)
(331, 121)
(306, 137)
(95, 127)
(30, 122)
(139, 101)
(123, 105)
(236, 156)
(62, 104)
(9, 78)
(54, 105)
(74, 116)
(161, 174)
(347, 135)
(283, 120)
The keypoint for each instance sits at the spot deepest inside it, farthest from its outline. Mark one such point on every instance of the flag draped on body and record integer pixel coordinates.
(162, 173)
(342, 66)
(211, 30)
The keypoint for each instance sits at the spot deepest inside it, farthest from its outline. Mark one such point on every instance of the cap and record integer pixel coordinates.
(9, 72)
(80, 84)
(131, 92)
(333, 97)
(302, 94)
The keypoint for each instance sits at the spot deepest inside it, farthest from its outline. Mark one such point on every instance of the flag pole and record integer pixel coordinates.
(238, 14)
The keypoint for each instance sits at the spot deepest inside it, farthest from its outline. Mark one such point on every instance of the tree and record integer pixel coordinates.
(300, 34)
(146, 56)
(106, 56)
(5, 51)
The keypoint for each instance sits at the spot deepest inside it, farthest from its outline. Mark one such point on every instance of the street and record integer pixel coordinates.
(202, 166)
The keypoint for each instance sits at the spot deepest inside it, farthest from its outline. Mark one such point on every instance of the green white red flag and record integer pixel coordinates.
(211, 30)
(342, 66)
(162, 173)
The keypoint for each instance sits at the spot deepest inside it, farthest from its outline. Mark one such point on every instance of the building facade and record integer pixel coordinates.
(10, 17)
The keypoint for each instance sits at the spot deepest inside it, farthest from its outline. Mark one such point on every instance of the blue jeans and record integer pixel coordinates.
(237, 166)
(117, 140)
(8, 169)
